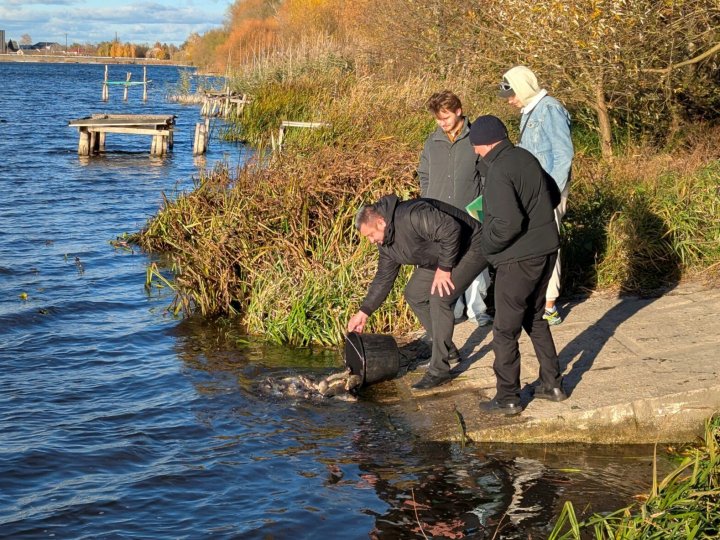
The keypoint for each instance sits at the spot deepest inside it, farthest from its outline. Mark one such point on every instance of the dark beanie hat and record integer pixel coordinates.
(487, 129)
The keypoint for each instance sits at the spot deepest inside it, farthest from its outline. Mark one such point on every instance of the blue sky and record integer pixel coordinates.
(136, 21)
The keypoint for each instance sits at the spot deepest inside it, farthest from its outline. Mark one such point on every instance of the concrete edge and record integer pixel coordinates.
(671, 418)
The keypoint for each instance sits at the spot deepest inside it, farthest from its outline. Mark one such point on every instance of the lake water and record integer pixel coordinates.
(119, 421)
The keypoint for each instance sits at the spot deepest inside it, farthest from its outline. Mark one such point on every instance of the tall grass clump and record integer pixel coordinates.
(643, 222)
(276, 245)
(684, 505)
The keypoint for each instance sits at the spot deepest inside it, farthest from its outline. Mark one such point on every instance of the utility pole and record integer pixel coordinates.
(66, 43)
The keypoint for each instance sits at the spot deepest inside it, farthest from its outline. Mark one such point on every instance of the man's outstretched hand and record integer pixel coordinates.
(442, 283)
(357, 322)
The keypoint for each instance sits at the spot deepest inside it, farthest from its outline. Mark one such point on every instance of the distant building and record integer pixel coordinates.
(12, 46)
(46, 46)
(3, 46)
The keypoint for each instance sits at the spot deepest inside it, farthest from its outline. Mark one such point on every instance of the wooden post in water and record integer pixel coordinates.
(105, 90)
(94, 142)
(195, 139)
(202, 134)
(127, 86)
(101, 141)
(144, 83)
(84, 144)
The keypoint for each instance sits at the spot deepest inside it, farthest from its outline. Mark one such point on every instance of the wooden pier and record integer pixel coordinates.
(93, 130)
(223, 103)
(126, 84)
(277, 143)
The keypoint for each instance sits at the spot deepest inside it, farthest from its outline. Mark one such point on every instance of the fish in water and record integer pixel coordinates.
(341, 385)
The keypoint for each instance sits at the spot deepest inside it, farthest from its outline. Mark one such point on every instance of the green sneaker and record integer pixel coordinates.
(552, 317)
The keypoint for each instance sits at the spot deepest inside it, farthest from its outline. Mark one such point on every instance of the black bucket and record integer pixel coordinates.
(374, 357)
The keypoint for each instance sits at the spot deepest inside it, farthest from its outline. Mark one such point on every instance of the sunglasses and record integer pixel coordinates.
(505, 86)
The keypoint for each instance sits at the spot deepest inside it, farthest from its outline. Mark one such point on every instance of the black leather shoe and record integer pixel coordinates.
(494, 407)
(553, 394)
(431, 381)
(454, 356)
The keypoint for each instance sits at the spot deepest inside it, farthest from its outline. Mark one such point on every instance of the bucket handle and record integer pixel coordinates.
(360, 355)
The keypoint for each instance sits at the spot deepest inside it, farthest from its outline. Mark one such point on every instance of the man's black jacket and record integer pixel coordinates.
(423, 232)
(518, 203)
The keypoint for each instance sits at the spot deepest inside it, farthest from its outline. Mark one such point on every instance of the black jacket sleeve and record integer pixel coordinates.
(382, 283)
(504, 221)
(431, 224)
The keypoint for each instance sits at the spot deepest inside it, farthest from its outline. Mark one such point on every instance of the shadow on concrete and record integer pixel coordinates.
(646, 265)
(469, 357)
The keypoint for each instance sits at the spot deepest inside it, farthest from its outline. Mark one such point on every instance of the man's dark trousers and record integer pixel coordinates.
(436, 312)
(519, 303)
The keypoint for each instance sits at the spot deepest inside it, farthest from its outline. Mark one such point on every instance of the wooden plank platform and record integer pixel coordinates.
(93, 129)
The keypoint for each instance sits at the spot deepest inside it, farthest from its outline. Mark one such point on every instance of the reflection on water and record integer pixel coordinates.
(118, 421)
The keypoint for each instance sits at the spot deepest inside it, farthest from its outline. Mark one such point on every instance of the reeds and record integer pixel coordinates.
(276, 244)
(273, 243)
(684, 505)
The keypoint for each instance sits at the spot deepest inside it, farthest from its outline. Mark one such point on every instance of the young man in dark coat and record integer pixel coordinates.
(443, 243)
(448, 173)
(520, 239)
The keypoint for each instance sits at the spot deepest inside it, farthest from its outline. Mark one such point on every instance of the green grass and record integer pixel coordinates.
(683, 505)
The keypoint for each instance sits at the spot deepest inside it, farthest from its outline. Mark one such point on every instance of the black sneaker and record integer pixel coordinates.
(431, 381)
(495, 407)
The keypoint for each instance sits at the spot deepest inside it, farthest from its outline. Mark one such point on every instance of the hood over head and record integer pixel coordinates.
(523, 83)
(386, 208)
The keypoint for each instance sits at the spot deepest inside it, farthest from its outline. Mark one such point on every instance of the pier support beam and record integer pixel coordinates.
(84, 144)
(105, 89)
(127, 85)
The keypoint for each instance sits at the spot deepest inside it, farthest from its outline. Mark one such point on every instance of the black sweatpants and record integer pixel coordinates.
(436, 312)
(519, 303)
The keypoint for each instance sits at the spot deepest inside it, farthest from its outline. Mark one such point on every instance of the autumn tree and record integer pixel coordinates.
(639, 63)
(25, 39)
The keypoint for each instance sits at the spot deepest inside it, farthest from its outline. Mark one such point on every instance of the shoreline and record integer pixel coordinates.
(54, 59)
(631, 378)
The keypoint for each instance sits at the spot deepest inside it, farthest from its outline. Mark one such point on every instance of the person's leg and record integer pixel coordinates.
(537, 327)
(514, 285)
(553, 289)
(459, 311)
(476, 294)
(441, 310)
(417, 295)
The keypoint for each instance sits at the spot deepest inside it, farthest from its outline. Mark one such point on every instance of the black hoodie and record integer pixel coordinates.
(423, 232)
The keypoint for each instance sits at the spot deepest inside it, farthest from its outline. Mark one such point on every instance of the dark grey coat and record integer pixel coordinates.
(447, 170)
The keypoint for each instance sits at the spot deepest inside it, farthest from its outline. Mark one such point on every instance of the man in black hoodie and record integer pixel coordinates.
(443, 243)
(520, 239)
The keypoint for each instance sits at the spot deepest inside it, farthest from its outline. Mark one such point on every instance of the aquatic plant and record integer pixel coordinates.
(685, 504)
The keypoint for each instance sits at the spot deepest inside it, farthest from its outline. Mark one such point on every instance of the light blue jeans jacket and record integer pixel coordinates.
(547, 137)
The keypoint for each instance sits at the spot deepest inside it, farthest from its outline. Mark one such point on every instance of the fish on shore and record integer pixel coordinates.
(342, 386)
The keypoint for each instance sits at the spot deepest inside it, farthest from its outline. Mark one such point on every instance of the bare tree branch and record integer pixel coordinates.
(694, 60)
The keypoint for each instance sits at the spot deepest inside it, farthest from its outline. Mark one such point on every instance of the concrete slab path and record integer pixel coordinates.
(637, 370)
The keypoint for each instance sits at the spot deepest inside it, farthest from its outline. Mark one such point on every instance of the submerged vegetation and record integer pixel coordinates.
(685, 504)
(272, 244)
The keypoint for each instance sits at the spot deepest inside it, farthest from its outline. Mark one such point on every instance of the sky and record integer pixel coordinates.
(93, 21)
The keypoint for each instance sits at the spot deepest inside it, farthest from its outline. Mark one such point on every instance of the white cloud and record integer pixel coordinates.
(92, 21)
